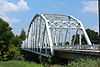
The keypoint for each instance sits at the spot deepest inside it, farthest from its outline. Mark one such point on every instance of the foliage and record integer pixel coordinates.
(93, 36)
(19, 64)
(22, 35)
(78, 63)
(66, 43)
(85, 63)
(76, 39)
(9, 43)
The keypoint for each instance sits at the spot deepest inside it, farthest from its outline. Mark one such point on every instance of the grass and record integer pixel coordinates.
(19, 64)
(15, 63)
(85, 63)
(78, 63)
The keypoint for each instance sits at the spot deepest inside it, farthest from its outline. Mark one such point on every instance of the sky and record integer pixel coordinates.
(19, 13)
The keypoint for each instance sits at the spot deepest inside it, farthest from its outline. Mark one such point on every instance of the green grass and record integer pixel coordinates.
(19, 64)
(78, 63)
(15, 63)
(85, 63)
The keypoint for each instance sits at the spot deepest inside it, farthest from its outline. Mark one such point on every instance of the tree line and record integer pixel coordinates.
(93, 36)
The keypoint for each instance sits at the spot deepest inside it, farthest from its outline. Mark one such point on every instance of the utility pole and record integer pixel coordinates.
(99, 15)
(99, 18)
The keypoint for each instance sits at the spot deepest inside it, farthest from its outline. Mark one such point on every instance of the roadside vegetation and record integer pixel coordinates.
(15, 63)
(78, 63)
(85, 63)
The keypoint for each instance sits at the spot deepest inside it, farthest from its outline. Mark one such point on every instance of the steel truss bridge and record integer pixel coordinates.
(55, 34)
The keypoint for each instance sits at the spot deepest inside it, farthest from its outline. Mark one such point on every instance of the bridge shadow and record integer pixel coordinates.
(32, 57)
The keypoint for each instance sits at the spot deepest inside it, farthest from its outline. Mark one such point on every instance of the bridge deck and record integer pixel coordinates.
(76, 53)
(91, 52)
(67, 52)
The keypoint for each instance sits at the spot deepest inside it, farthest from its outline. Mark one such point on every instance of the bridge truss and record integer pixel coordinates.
(49, 31)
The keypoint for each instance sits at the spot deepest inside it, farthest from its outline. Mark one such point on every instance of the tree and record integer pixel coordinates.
(6, 36)
(22, 35)
(76, 37)
(66, 43)
(93, 36)
(9, 43)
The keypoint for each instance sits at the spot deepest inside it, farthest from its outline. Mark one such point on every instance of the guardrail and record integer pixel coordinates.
(80, 47)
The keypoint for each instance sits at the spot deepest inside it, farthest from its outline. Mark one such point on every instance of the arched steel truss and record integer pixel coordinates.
(49, 31)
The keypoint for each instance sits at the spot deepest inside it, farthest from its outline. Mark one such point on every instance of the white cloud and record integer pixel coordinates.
(6, 6)
(90, 6)
(23, 5)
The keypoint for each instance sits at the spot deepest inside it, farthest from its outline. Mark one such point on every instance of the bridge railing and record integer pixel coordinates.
(79, 47)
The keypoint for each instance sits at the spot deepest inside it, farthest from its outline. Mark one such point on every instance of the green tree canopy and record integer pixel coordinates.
(93, 36)
(22, 35)
(9, 43)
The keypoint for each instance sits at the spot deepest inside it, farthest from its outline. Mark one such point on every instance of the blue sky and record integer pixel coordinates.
(19, 13)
